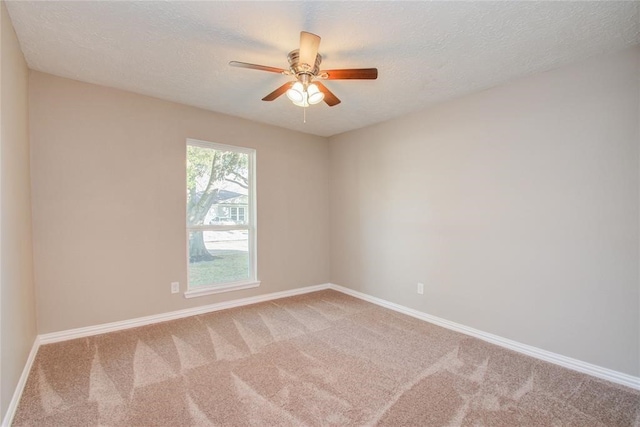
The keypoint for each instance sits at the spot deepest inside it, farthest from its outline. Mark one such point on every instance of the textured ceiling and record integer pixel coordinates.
(426, 52)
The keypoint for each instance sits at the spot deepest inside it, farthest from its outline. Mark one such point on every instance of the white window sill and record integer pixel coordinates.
(208, 290)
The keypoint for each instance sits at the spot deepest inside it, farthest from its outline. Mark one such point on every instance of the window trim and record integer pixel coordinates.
(251, 226)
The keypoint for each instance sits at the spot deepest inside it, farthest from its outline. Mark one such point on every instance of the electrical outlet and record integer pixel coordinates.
(421, 288)
(175, 287)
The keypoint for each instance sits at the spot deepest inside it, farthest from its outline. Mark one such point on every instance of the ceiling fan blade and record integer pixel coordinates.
(329, 97)
(276, 93)
(353, 73)
(256, 67)
(309, 44)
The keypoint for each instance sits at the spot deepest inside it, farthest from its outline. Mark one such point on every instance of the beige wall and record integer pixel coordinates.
(108, 173)
(17, 300)
(516, 206)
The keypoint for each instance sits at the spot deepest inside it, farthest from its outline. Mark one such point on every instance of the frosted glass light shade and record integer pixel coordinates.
(314, 95)
(304, 102)
(296, 93)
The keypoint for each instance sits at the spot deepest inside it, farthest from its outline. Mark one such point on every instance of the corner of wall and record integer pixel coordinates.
(17, 294)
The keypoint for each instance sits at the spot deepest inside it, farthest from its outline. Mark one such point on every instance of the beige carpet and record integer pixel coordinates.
(317, 359)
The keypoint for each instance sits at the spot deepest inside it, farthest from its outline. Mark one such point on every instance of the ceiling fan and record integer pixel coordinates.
(304, 66)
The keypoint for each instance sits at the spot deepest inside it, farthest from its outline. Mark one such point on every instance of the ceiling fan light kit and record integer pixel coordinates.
(303, 97)
(304, 65)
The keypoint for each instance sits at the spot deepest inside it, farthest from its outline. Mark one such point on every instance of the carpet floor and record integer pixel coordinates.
(318, 359)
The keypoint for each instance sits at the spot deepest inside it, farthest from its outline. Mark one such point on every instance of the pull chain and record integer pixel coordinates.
(304, 115)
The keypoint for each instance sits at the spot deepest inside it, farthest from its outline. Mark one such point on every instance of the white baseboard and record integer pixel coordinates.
(156, 318)
(558, 359)
(13, 405)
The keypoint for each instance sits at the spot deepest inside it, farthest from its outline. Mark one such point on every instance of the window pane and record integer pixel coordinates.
(218, 257)
(217, 186)
(220, 222)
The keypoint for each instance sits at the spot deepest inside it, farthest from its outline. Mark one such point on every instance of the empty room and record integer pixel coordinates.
(320, 213)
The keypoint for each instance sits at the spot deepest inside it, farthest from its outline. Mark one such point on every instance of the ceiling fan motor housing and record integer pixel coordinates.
(301, 69)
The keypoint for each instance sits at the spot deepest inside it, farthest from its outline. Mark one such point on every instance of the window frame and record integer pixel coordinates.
(250, 226)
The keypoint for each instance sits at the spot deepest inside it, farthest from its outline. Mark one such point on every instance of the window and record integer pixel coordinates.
(221, 218)
(238, 213)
